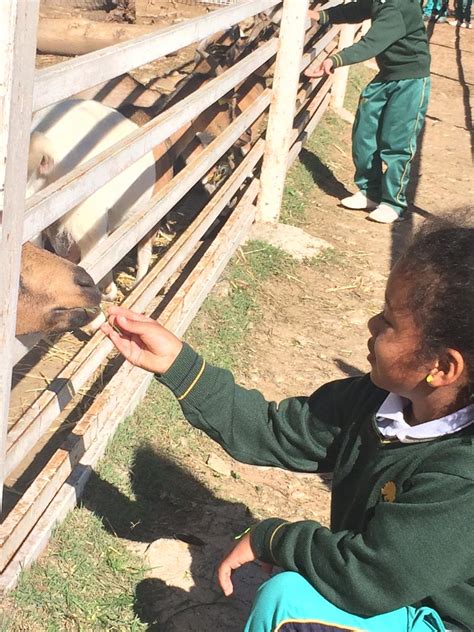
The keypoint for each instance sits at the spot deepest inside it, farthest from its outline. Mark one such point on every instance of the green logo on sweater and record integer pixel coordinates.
(389, 492)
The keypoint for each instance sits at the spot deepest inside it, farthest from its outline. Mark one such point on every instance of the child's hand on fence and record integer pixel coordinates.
(141, 340)
(313, 15)
(315, 70)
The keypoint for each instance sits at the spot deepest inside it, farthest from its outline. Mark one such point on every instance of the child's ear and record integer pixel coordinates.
(449, 368)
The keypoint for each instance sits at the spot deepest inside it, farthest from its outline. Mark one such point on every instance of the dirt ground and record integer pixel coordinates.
(313, 330)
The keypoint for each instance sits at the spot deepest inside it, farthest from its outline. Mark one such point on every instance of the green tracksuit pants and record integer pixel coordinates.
(388, 120)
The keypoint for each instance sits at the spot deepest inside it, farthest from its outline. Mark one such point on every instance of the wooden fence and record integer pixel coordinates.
(295, 109)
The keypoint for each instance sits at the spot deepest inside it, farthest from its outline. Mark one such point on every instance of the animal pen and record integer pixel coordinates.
(182, 277)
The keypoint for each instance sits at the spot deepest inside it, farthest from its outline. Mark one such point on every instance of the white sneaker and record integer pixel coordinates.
(467, 25)
(455, 22)
(359, 202)
(384, 214)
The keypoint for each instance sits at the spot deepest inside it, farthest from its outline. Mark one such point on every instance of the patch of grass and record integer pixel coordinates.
(220, 329)
(263, 261)
(327, 257)
(314, 164)
(329, 131)
(299, 182)
(85, 583)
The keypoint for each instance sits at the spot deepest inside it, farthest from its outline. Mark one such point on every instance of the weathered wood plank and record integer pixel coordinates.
(18, 20)
(193, 293)
(306, 133)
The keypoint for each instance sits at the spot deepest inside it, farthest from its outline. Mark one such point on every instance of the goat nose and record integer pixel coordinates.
(83, 278)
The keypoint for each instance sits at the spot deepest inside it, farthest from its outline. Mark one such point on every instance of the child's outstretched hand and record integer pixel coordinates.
(142, 340)
(241, 554)
(325, 68)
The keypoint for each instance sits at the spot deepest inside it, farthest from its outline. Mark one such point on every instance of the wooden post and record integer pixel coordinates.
(282, 109)
(18, 23)
(346, 38)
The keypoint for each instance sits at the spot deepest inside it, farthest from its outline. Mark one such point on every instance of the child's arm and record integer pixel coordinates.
(351, 13)
(387, 27)
(301, 433)
(421, 544)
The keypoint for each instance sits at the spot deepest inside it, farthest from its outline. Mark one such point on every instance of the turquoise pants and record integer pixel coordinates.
(288, 603)
(388, 120)
(438, 8)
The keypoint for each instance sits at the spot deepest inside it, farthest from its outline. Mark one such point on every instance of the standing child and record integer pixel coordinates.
(392, 107)
(399, 555)
(463, 14)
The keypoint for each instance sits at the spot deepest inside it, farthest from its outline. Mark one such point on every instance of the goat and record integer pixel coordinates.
(55, 295)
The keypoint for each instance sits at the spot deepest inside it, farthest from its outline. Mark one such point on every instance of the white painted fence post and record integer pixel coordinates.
(282, 109)
(18, 24)
(341, 75)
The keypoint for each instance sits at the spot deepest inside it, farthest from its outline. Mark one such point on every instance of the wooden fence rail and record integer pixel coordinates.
(61, 81)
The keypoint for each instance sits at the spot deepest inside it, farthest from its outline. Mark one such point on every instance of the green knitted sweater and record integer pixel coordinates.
(402, 515)
(397, 38)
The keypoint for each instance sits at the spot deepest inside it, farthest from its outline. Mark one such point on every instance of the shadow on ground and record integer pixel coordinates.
(181, 530)
(323, 177)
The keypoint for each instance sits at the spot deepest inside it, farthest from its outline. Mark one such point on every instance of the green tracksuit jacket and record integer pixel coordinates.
(402, 517)
(397, 38)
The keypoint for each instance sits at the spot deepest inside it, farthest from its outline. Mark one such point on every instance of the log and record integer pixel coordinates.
(85, 5)
(77, 36)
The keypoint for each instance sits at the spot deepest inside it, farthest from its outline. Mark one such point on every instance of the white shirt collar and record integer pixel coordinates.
(392, 425)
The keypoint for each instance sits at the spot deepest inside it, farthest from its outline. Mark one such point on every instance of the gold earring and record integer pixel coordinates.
(429, 378)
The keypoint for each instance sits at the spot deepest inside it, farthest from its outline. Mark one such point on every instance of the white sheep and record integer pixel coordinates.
(68, 134)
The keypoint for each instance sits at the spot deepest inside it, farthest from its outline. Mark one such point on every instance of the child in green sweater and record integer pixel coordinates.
(392, 107)
(399, 555)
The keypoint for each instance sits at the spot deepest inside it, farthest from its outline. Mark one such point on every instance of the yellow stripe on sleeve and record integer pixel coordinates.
(193, 383)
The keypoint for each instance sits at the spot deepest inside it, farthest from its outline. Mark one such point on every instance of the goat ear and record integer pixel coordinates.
(41, 156)
(46, 165)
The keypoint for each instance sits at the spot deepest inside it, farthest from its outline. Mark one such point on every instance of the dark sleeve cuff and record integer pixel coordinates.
(264, 536)
(324, 17)
(184, 373)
